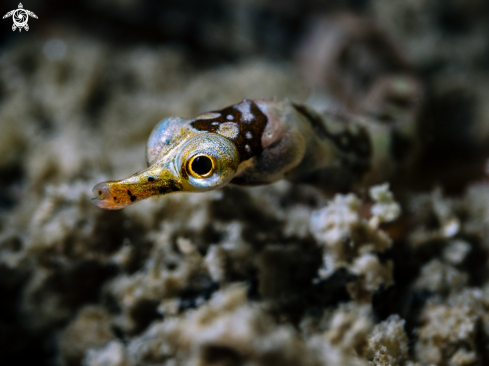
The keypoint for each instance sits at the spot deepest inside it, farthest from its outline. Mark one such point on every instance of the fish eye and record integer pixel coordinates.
(201, 166)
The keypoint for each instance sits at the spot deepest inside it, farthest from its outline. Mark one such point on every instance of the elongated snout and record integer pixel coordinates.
(156, 180)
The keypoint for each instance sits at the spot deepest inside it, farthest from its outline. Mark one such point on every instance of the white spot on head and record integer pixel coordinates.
(229, 129)
(247, 118)
(249, 136)
(214, 123)
(245, 108)
(229, 117)
(247, 148)
(208, 115)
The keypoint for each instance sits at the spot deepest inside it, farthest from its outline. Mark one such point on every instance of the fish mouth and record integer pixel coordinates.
(154, 181)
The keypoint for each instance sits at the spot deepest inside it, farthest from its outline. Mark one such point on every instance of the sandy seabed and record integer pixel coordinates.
(273, 275)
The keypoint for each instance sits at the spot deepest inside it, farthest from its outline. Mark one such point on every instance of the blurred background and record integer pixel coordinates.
(82, 89)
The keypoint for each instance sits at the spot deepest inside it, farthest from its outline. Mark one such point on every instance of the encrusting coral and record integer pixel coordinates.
(351, 241)
(388, 342)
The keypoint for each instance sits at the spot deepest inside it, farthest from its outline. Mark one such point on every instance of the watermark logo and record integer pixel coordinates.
(20, 17)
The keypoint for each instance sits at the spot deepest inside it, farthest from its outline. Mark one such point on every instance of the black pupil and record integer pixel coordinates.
(201, 165)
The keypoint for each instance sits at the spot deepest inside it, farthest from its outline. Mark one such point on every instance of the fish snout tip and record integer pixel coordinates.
(103, 197)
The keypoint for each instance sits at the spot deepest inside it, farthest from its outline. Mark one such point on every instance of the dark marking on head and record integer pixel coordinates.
(151, 179)
(131, 197)
(115, 198)
(255, 127)
(356, 147)
(183, 171)
(170, 187)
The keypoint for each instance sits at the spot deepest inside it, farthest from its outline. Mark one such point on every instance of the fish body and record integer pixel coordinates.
(253, 142)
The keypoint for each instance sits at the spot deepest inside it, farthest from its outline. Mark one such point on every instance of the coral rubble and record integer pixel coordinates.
(274, 275)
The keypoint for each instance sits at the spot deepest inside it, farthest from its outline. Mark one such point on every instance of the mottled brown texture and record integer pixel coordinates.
(255, 126)
(356, 147)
